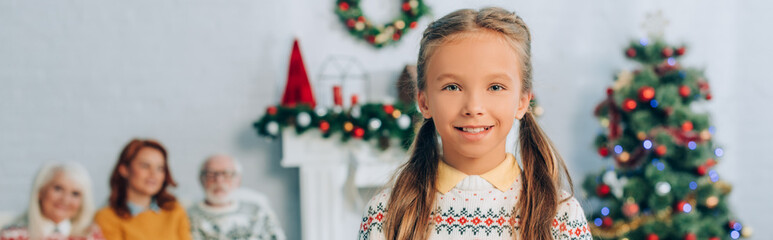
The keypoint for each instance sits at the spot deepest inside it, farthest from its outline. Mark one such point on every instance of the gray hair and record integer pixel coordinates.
(203, 167)
(74, 171)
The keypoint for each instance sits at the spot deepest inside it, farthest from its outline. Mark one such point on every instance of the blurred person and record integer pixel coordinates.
(226, 212)
(61, 206)
(140, 206)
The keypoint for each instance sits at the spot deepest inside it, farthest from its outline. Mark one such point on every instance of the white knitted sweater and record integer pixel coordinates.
(475, 209)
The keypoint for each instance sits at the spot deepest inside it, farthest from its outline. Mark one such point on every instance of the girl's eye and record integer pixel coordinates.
(496, 88)
(76, 194)
(58, 188)
(452, 87)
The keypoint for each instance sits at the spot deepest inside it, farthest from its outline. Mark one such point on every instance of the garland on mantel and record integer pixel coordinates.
(382, 122)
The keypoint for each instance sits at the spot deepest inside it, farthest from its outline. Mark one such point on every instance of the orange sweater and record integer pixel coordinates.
(171, 225)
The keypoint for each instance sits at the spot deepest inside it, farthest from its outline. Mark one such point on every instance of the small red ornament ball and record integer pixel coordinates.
(629, 105)
(272, 110)
(687, 126)
(684, 91)
(607, 222)
(630, 209)
(708, 96)
(604, 151)
(413, 25)
(680, 51)
(652, 236)
(714, 238)
(343, 6)
(668, 52)
(660, 150)
(646, 93)
(731, 224)
(631, 52)
(406, 6)
(388, 109)
(351, 23)
(701, 170)
(690, 236)
(610, 91)
(680, 206)
(602, 190)
(358, 132)
(324, 126)
(710, 162)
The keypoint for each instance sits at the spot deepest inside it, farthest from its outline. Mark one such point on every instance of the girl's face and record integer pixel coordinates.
(146, 172)
(60, 199)
(473, 93)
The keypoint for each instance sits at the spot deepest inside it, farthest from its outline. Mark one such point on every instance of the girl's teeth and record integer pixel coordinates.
(474, 130)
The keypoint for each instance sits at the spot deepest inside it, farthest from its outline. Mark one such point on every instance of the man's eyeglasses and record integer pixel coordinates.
(210, 175)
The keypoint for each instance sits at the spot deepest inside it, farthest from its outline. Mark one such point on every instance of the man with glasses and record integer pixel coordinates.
(223, 214)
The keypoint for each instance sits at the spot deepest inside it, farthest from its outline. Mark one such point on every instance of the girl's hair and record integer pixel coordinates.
(411, 201)
(81, 222)
(119, 184)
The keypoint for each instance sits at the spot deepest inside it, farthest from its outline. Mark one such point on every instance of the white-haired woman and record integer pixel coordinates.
(61, 207)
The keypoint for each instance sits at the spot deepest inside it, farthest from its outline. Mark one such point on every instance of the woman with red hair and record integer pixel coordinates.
(140, 206)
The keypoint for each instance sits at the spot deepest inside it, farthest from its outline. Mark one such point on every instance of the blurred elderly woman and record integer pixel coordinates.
(60, 207)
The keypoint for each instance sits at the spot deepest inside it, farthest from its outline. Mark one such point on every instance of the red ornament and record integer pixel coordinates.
(350, 23)
(667, 52)
(629, 105)
(687, 126)
(396, 36)
(680, 206)
(680, 51)
(652, 236)
(406, 7)
(602, 190)
(298, 88)
(646, 93)
(604, 151)
(690, 236)
(370, 38)
(714, 238)
(358, 132)
(272, 110)
(343, 6)
(710, 162)
(388, 109)
(361, 19)
(684, 91)
(708, 96)
(607, 222)
(324, 126)
(355, 99)
(413, 25)
(660, 150)
(731, 224)
(610, 91)
(630, 209)
(701, 170)
(631, 52)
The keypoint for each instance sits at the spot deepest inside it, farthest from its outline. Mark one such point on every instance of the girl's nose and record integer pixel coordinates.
(473, 106)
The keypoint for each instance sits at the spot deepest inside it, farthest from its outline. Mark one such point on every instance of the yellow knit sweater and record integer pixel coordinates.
(165, 224)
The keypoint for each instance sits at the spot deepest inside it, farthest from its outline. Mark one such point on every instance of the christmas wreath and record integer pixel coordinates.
(378, 36)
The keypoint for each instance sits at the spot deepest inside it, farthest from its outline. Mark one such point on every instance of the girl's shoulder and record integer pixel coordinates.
(373, 216)
(570, 221)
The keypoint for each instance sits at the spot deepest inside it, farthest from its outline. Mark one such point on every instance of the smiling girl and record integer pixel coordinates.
(474, 81)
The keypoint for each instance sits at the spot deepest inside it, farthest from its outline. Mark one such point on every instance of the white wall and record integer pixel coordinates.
(78, 79)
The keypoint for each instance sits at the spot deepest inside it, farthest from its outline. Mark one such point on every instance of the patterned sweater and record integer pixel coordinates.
(245, 219)
(475, 209)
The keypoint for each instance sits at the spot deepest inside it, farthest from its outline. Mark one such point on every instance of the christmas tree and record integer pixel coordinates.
(662, 183)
